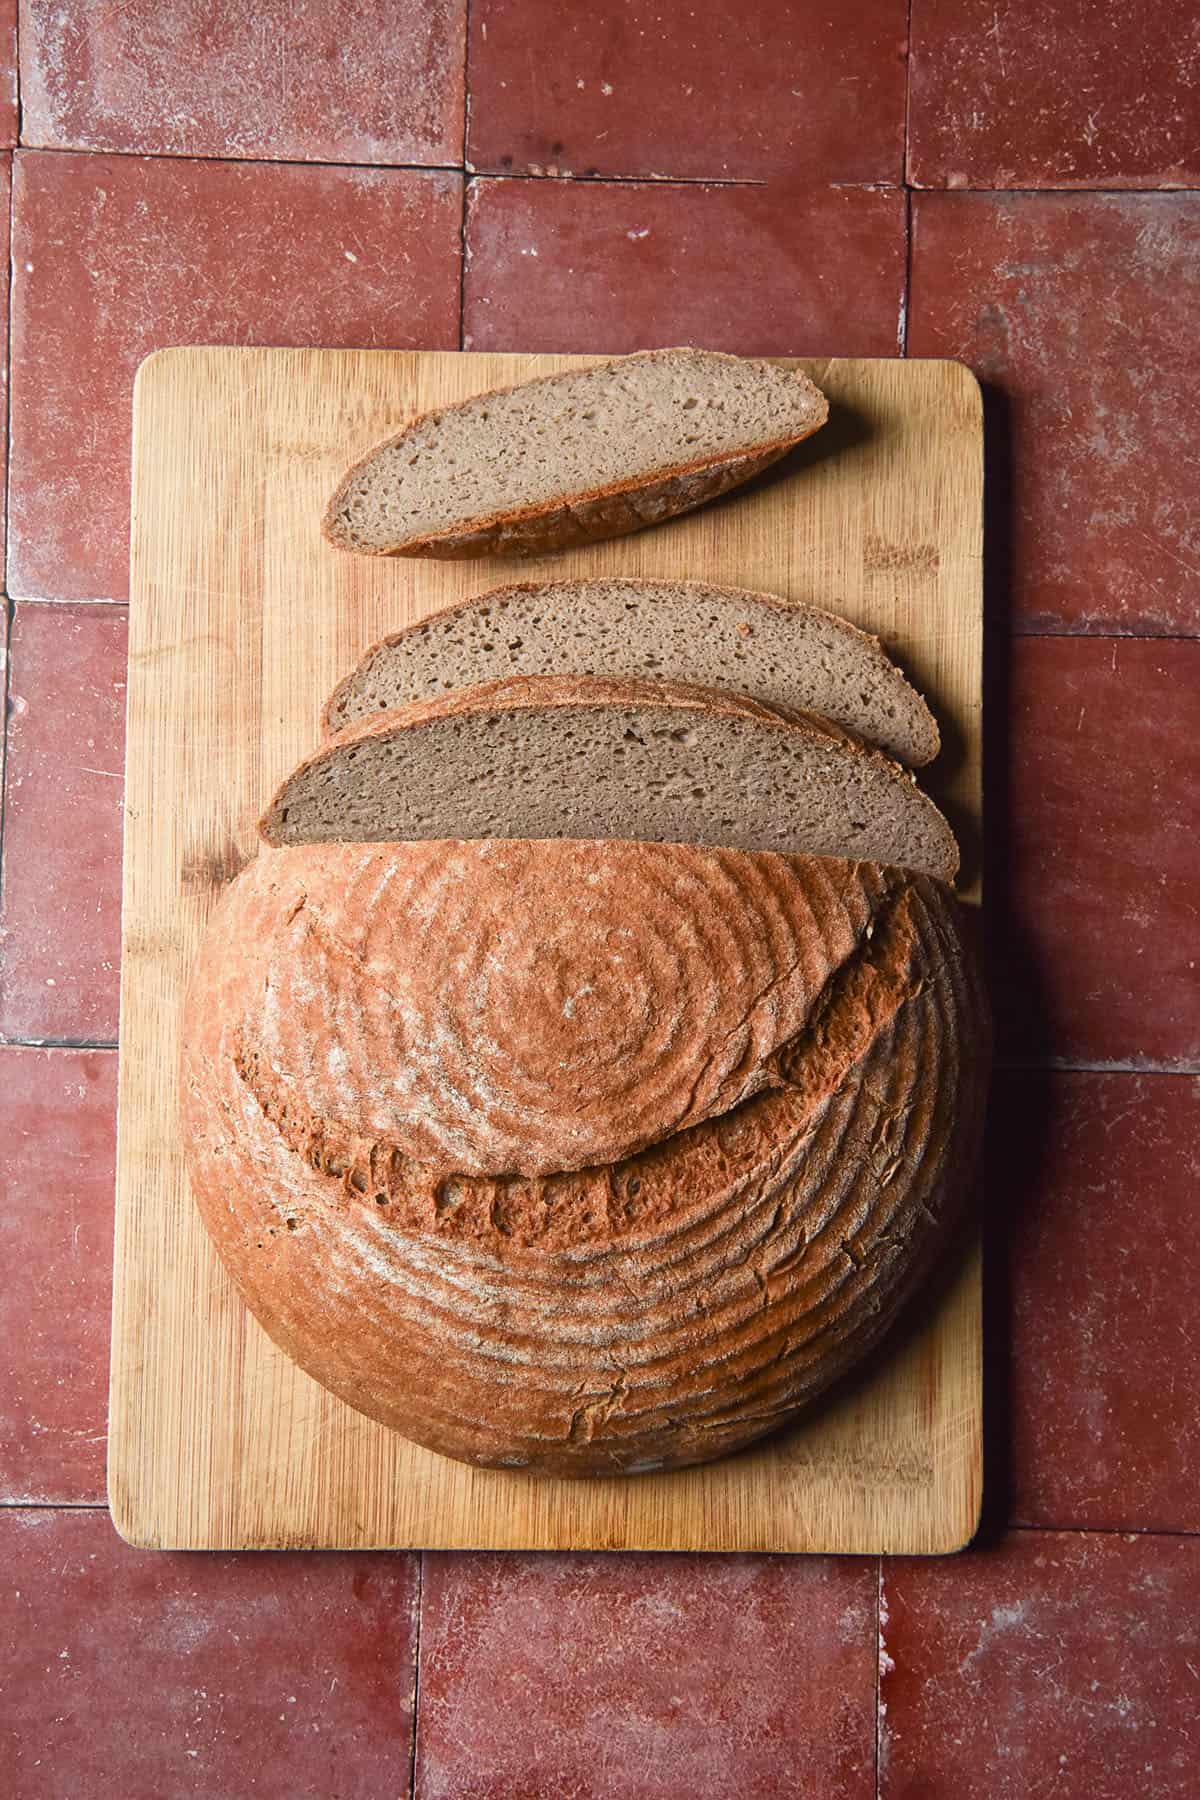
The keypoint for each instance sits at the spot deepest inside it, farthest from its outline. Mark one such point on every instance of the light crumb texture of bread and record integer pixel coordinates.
(560, 452)
(545, 756)
(782, 653)
(396, 1055)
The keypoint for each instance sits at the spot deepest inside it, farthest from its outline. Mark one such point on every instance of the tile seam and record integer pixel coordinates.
(1099, 188)
(648, 179)
(1118, 1531)
(64, 1043)
(1064, 1065)
(429, 168)
(9, 607)
(906, 154)
(464, 199)
(878, 1659)
(89, 1506)
(238, 162)
(416, 1684)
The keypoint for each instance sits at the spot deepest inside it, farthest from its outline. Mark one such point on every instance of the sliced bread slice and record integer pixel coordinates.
(781, 653)
(591, 453)
(585, 756)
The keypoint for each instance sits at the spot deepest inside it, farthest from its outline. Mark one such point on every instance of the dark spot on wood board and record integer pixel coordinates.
(211, 867)
(881, 553)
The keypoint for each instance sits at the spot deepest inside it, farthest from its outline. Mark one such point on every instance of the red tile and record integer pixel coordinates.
(116, 256)
(1053, 93)
(1094, 888)
(1095, 1192)
(600, 266)
(805, 91)
(1080, 311)
(669, 1678)
(9, 112)
(60, 888)
(132, 1672)
(1055, 1665)
(56, 1224)
(324, 82)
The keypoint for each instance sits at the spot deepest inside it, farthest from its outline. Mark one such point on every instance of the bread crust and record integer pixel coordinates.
(585, 515)
(657, 1309)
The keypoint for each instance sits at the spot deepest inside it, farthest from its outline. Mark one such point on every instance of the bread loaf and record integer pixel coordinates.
(586, 756)
(782, 654)
(584, 1158)
(592, 453)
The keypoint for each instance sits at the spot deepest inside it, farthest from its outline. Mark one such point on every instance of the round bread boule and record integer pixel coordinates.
(573, 1156)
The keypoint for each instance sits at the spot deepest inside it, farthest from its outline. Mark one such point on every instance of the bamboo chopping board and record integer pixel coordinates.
(242, 620)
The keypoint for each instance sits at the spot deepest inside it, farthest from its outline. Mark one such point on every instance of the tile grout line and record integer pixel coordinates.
(904, 176)
(921, 187)
(1025, 633)
(906, 304)
(648, 179)
(416, 1686)
(1148, 1531)
(54, 1505)
(241, 162)
(704, 181)
(878, 1650)
(66, 600)
(429, 168)
(908, 59)
(464, 224)
(10, 611)
(1065, 1065)
(466, 189)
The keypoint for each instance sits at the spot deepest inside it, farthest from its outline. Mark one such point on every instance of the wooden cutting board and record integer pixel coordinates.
(242, 620)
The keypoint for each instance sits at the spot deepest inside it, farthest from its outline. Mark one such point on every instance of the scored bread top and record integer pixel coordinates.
(545, 756)
(554, 447)
(782, 653)
(651, 1311)
(508, 1006)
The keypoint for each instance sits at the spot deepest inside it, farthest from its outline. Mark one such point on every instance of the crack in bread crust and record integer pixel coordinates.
(858, 1000)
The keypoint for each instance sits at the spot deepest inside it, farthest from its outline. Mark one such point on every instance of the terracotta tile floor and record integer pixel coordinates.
(662, 1677)
(1053, 94)
(60, 862)
(115, 256)
(190, 173)
(128, 1673)
(1078, 312)
(758, 91)
(598, 265)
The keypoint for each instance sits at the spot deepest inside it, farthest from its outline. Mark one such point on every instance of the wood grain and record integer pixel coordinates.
(242, 621)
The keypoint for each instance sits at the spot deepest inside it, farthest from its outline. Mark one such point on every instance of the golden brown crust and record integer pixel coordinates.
(581, 517)
(661, 1308)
